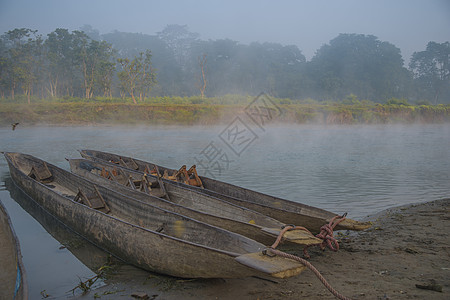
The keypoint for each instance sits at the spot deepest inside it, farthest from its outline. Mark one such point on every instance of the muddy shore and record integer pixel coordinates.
(407, 246)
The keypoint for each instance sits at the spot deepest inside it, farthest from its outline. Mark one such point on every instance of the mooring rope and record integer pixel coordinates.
(283, 231)
(326, 234)
(312, 268)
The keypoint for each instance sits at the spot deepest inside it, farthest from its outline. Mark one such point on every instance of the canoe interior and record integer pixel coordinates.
(216, 186)
(142, 214)
(194, 204)
(286, 211)
(180, 195)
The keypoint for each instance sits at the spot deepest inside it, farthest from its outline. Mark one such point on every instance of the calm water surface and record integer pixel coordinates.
(356, 169)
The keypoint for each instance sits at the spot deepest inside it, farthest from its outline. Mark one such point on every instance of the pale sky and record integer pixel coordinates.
(408, 24)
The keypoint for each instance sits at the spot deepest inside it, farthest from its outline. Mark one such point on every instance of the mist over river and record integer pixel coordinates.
(356, 169)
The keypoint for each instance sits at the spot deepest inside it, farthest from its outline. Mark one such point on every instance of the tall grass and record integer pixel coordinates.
(194, 110)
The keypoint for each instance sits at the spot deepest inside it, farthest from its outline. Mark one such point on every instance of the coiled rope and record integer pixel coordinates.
(326, 233)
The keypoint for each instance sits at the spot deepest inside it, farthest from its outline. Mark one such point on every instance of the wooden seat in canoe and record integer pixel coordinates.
(94, 200)
(183, 175)
(41, 173)
(194, 179)
(115, 175)
(142, 185)
(130, 165)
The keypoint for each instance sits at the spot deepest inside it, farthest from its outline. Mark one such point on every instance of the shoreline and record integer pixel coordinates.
(405, 247)
(221, 125)
(92, 112)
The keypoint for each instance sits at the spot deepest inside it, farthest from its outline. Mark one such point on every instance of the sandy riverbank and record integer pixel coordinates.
(407, 246)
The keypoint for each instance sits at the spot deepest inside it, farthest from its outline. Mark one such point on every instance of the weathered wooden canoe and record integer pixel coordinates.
(188, 202)
(89, 254)
(13, 283)
(141, 234)
(288, 212)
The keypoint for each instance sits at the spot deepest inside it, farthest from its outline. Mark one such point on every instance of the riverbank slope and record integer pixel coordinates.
(210, 113)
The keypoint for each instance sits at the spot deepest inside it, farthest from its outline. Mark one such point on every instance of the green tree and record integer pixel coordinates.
(31, 63)
(201, 84)
(61, 62)
(105, 75)
(86, 54)
(96, 64)
(137, 75)
(19, 61)
(220, 56)
(170, 76)
(249, 69)
(147, 75)
(358, 64)
(431, 69)
(3, 70)
(179, 40)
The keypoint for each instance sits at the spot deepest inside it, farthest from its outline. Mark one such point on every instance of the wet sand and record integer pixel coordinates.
(407, 246)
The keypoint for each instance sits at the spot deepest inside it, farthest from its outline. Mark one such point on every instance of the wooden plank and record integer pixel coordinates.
(45, 174)
(84, 198)
(122, 163)
(103, 200)
(41, 173)
(131, 183)
(145, 185)
(196, 181)
(295, 236)
(134, 164)
(161, 183)
(275, 266)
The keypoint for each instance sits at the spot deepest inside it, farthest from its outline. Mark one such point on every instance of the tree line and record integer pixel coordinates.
(176, 62)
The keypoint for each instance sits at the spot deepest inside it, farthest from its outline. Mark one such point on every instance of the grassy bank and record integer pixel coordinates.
(193, 110)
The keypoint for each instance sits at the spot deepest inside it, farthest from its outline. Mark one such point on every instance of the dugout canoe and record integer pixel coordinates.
(286, 211)
(13, 283)
(87, 253)
(141, 234)
(187, 202)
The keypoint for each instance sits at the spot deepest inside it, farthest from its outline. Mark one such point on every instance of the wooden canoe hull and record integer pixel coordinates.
(211, 210)
(283, 210)
(13, 281)
(87, 253)
(130, 241)
(288, 212)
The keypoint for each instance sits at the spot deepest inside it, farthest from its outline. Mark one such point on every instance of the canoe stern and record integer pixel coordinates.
(272, 265)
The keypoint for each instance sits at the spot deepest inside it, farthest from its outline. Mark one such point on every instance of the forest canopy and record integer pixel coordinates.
(176, 62)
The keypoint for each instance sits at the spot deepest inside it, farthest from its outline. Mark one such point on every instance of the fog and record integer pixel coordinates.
(359, 169)
(408, 24)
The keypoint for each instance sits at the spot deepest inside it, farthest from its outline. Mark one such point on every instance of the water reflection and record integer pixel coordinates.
(360, 170)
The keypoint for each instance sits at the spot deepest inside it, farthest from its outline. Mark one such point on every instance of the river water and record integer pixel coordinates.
(356, 169)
